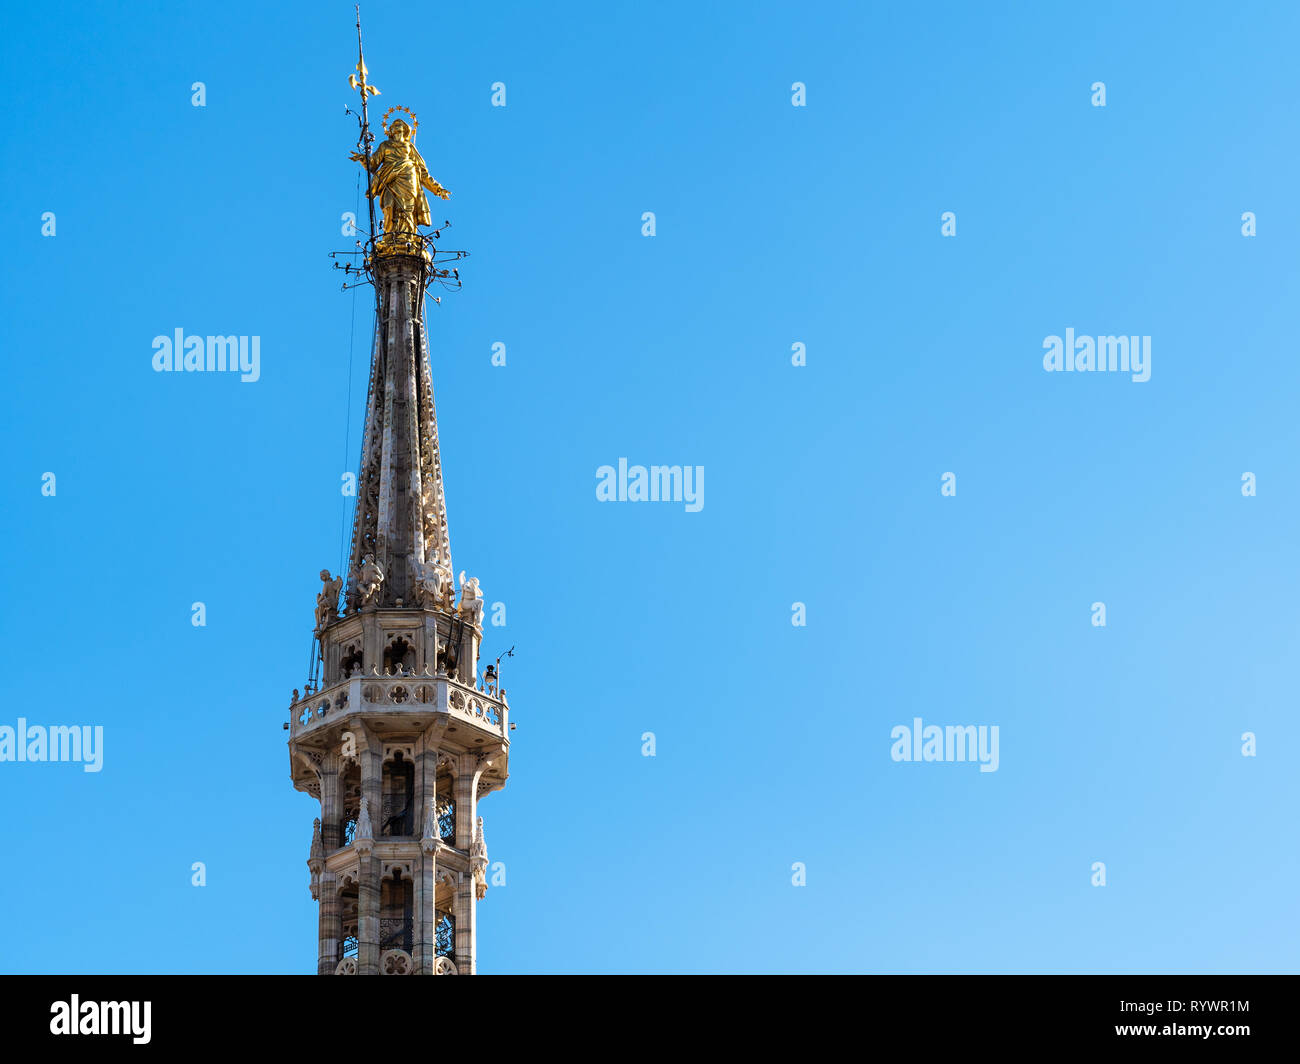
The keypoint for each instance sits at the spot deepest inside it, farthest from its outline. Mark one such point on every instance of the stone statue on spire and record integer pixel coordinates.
(327, 600)
(433, 582)
(368, 579)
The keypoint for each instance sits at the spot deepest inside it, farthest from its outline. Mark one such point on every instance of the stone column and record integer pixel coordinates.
(372, 779)
(426, 887)
(367, 875)
(426, 775)
(331, 924)
(472, 640)
(466, 786)
(329, 801)
(430, 655)
(368, 914)
(372, 646)
(464, 912)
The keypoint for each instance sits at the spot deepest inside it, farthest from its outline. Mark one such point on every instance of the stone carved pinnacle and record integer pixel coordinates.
(431, 839)
(364, 829)
(479, 860)
(479, 852)
(315, 860)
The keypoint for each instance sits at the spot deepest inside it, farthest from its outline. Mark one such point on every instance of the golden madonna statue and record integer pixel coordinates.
(401, 177)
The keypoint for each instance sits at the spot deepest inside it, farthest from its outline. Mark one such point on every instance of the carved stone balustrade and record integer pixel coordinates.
(398, 696)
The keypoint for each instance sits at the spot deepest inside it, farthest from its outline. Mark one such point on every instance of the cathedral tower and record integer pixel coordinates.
(396, 734)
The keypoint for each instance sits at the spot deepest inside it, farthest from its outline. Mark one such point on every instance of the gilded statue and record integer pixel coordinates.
(401, 178)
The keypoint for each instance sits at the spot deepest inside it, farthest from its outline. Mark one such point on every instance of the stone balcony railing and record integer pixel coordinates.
(413, 694)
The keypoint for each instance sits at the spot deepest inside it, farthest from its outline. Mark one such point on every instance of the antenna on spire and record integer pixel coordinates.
(358, 82)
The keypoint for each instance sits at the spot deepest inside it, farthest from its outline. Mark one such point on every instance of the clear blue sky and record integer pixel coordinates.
(775, 225)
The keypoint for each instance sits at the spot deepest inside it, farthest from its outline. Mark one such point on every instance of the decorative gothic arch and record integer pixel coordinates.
(351, 659)
(397, 907)
(401, 652)
(397, 784)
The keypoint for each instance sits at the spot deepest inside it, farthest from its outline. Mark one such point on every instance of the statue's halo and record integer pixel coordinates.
(415, 122)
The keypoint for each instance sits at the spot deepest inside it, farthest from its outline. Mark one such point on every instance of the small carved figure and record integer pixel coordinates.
(327, 600)
(370, 578)
(432, 582)
(471, 600)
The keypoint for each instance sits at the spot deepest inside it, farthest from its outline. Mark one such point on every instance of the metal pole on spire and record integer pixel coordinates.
(367, 138)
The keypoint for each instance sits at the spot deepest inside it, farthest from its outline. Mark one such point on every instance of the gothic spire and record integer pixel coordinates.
(401, 548)
(396, 720)
(401, 545)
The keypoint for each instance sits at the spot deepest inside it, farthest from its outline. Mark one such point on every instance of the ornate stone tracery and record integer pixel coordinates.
(396, 962)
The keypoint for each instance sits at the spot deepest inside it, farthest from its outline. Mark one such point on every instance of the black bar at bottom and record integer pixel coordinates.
(610, 1014)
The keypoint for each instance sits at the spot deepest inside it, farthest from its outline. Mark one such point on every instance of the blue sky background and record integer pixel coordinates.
(775, 225)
